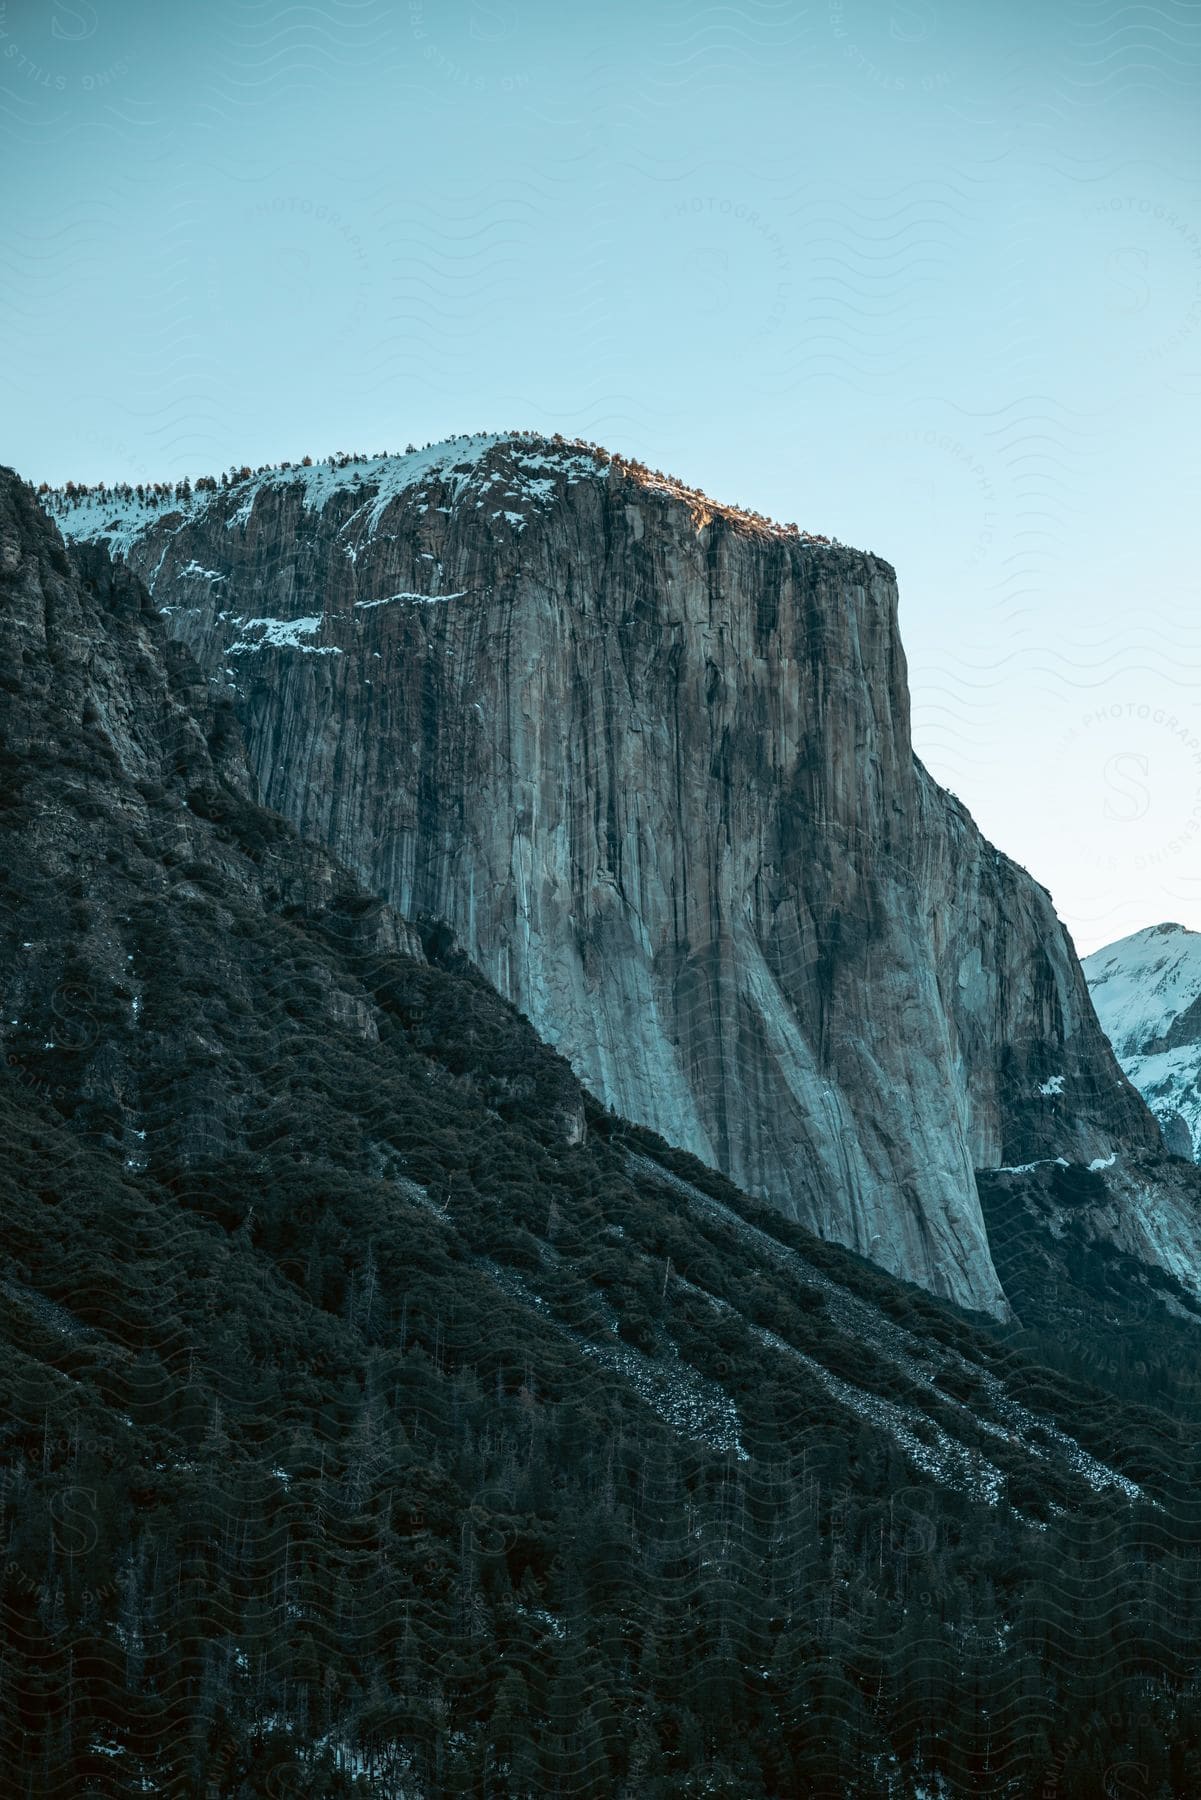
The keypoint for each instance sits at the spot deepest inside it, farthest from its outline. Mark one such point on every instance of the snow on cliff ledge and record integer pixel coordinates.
(1147, 992)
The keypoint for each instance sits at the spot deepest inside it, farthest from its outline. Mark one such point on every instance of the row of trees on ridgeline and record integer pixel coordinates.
(166, 494)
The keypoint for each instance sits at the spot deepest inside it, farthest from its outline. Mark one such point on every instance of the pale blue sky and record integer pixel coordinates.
(924, 277)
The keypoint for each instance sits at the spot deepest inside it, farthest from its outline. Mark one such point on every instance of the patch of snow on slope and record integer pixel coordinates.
(682, 1397)
(423, 599)
(1027, 1168)
(111, 517)
(553, 1624)
(949, 1462)
(282, 634)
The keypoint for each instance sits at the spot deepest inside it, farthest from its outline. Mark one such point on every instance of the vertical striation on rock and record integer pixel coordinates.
(651, 760)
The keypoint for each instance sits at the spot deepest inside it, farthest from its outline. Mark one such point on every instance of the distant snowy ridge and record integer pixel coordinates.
(1147, 992)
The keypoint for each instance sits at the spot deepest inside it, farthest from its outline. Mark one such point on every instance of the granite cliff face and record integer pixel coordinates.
(651, 760)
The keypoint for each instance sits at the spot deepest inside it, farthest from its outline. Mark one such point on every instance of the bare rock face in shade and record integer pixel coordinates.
(651, 760)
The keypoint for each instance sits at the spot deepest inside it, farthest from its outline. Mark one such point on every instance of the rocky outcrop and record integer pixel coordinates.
(651, 760)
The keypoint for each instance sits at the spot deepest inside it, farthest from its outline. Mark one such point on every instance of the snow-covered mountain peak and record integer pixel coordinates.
(1142, 983)
(1146, 989)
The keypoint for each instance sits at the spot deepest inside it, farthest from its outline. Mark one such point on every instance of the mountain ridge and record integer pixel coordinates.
(122, 511)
